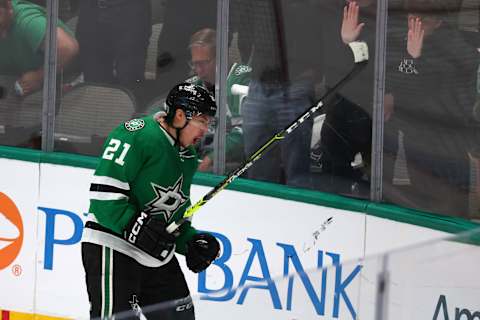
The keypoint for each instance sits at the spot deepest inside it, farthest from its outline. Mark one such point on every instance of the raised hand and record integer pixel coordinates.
(351, 29)
(416, 32)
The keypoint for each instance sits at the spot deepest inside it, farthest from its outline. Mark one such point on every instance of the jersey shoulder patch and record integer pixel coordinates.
(241, 69)
(134, 124)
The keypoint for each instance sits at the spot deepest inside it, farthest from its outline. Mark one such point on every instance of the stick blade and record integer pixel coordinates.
(360, 51)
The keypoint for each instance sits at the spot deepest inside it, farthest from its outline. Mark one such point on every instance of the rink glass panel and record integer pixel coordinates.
(296, 54)
(431, 117)
(125, 70)
(268, 36)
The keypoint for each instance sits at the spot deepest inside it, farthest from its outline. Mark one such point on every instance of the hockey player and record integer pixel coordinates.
(141, 184)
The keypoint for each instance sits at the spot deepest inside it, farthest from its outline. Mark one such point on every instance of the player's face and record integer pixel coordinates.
(203, 63)
(6, 15)
(196, 128)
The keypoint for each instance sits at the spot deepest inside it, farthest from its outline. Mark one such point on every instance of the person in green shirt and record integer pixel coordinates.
(22, 44)
(140, 186)
(203, 51)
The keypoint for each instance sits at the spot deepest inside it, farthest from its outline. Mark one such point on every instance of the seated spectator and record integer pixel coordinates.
(66, 8)
(434, 94)
(175, 36)
(22, 44)
(203, 50)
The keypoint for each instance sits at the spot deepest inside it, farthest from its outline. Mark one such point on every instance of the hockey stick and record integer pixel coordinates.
(360, 54)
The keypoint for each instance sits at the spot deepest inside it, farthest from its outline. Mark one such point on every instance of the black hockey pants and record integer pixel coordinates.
(118, 285)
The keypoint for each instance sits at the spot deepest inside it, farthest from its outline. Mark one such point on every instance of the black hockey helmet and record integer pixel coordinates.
(192, 99)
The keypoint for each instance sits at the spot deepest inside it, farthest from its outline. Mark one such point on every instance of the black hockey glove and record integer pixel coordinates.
(149, 234)
(201, 251)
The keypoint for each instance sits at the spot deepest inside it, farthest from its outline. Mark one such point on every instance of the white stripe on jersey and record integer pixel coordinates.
(186, 156)
(95, 195)
(118, 244)
(109, 181)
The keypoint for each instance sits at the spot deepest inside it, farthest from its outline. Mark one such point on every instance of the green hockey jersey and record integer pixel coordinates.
(141, 169)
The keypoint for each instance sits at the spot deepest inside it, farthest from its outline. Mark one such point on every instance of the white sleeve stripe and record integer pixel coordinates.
(95, 195)
(109, 181)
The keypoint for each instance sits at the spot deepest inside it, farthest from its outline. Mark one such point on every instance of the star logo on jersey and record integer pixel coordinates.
(167, 200)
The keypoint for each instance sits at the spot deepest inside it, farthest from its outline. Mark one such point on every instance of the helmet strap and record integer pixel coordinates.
(178, 131)
(177, 138)
(168, 120)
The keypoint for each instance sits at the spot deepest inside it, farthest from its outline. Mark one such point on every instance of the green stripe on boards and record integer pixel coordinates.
(433, 221)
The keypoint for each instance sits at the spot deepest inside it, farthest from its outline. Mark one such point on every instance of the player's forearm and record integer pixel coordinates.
(187, 231)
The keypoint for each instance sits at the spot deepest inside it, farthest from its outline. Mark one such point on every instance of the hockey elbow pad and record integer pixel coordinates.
(201, 251)
(149, 234)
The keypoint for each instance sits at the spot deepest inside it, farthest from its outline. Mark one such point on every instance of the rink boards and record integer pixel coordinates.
(42, 209)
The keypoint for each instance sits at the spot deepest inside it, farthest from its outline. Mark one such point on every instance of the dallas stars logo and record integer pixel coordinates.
(134, 124)
(167, 200)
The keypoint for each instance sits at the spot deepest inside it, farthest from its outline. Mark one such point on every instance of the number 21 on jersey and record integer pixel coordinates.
(111, 151)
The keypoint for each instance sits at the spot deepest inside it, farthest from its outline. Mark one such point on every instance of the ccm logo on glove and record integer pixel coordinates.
(148, 234)
(132, 237)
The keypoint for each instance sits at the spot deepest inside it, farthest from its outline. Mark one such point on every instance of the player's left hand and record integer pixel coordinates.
(201, 251)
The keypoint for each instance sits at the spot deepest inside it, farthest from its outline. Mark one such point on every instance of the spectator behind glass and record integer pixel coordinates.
(114, 36)
(286, 63)
(172, 47)
(22, 45)
(196, 15)
(434, 93)
(203, 49)
(66, 8)
(347, 129)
